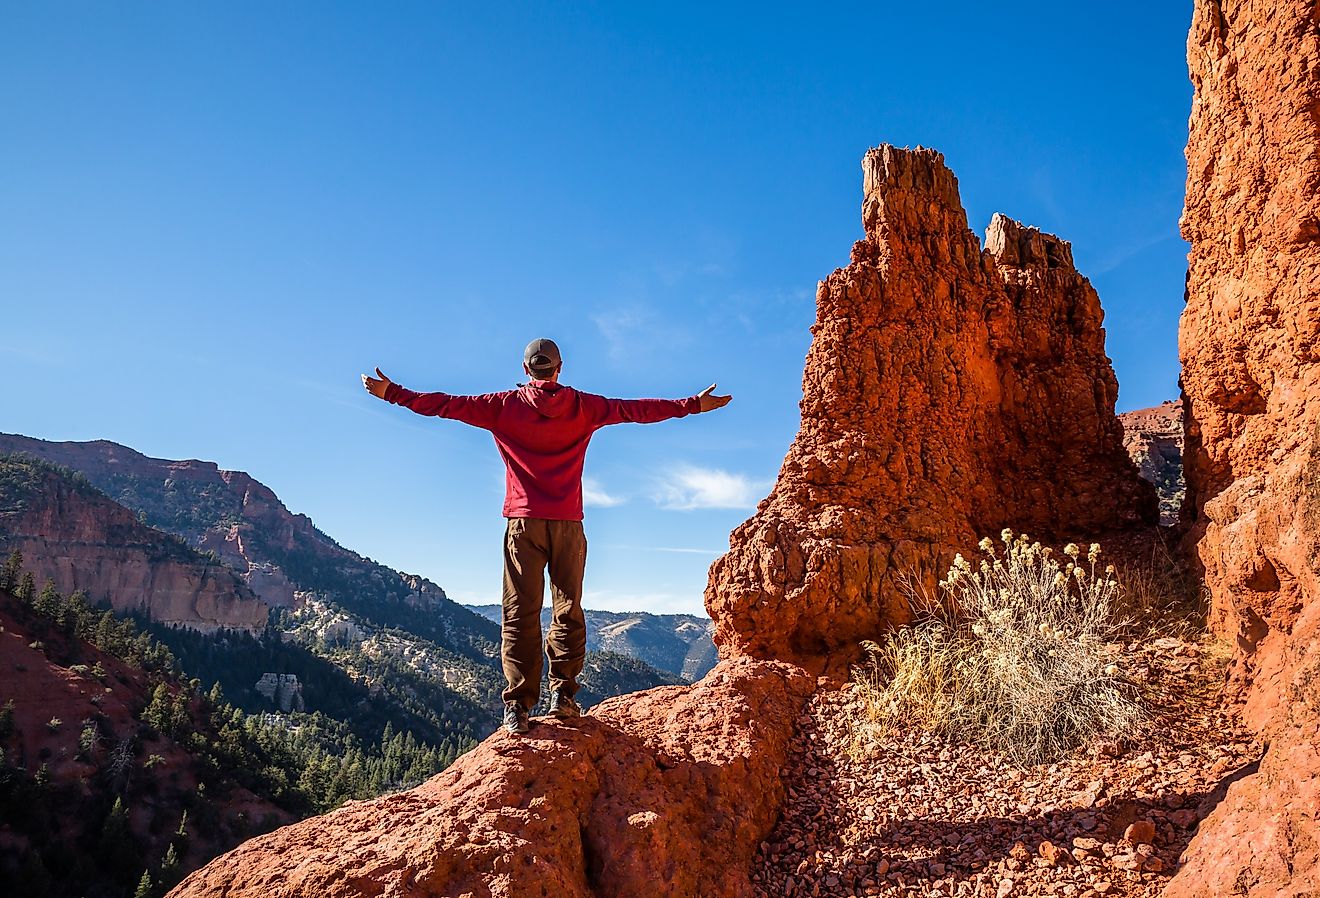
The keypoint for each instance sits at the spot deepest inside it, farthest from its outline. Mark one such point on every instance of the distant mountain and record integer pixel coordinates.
(76, 536)
(430, 664)
(678, 644)
(278, 553)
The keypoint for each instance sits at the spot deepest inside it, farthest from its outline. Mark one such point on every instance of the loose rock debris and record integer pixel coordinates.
(907, 813)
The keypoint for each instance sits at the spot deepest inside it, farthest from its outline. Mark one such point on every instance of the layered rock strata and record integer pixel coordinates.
(1250, 346)
(668, 792)
(77, 537)
(949, 391)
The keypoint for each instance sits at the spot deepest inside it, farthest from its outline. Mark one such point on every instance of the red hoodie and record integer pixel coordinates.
(542, 430)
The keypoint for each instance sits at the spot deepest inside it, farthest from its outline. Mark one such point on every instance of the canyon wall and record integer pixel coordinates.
(949, 391)
(1250, 346)
(72, 534)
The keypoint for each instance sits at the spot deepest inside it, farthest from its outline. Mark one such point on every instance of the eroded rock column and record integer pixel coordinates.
(949, 391)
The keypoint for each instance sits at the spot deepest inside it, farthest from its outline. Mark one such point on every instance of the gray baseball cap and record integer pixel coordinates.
(542, 355)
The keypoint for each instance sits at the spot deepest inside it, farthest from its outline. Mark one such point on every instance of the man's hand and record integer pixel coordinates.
(708, 402)
(376, 387)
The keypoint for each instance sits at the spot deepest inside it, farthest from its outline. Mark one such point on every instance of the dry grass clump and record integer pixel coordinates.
(1157, 598)
(1025, 664)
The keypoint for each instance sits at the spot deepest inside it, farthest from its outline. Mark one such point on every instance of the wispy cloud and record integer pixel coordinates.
(596, 496)
(686, 487)
(1118, 257)
(627, 326)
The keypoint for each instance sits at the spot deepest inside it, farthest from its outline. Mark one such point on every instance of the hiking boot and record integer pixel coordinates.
(563, 706)
(515, 718)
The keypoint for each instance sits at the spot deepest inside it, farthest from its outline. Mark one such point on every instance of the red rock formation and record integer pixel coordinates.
(72, 534)
(1250, 346)
(1153, 438)
(667, 792)
(949, 392)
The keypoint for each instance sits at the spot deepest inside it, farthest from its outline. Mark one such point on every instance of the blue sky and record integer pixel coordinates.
(215, 216)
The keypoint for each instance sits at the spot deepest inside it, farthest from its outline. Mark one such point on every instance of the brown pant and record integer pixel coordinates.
(530, 545)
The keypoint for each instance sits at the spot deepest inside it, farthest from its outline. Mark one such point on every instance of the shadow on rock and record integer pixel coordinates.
(662, 792)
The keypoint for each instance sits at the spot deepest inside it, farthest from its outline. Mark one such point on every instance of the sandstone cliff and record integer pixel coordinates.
(1250, 347)
(212, 509)
(72, 534)
(949, 391)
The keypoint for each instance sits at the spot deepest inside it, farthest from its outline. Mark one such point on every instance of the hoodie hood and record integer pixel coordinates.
(550, 399)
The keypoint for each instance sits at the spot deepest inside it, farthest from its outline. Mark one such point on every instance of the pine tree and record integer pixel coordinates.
(159, 711)
(12, 570)
(27, 586)
(169, 868)
(49, 601)
(117, 848)
(76, 611)
(105, 631)
(144, 888)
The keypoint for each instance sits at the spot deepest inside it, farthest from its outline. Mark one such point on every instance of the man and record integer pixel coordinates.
(542, 430)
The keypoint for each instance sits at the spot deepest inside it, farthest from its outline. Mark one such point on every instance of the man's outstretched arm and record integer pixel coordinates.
(479, 411)
(649, 411)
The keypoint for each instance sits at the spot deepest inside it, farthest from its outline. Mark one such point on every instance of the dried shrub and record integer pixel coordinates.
(1021, 657)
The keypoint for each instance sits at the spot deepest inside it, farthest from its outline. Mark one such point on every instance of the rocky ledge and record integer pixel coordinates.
(664, 792)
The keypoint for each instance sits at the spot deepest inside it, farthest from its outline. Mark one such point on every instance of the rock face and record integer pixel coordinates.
(949, 392)
(668, 792)
(281, 555)
(1154, 439)
(189, 498)
(282, 690)
(72, 534)
(1250, 346)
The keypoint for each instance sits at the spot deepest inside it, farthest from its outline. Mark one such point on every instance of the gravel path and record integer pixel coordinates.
(911, 815)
